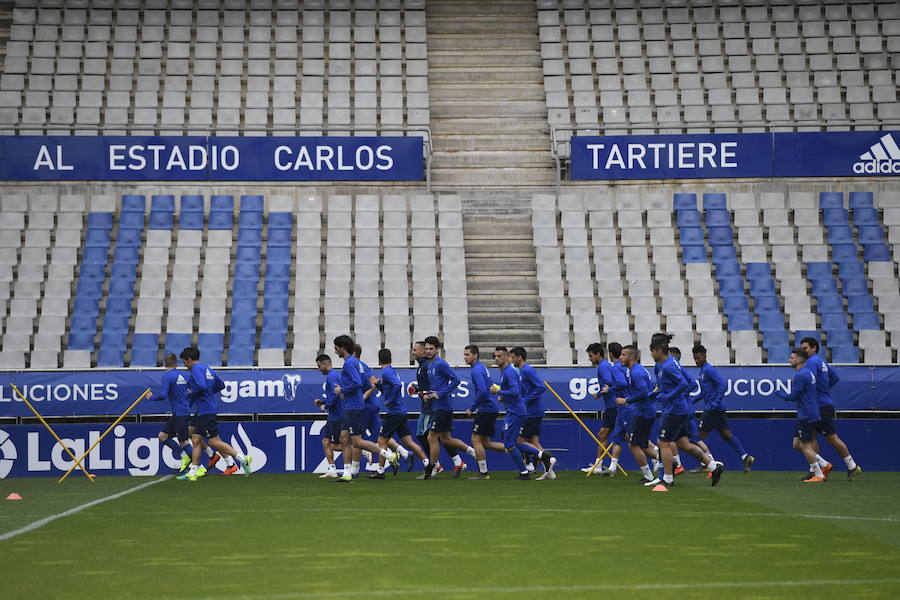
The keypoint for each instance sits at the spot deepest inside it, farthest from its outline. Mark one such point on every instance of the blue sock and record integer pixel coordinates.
(188, 450)
(735, 443)
(173, 446)
(527, 449)
(516, 455)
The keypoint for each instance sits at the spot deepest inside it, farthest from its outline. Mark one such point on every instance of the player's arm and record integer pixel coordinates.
(350, 381)
(798, 386)
(833, 377)
(679, 385)
(641, 391)
(196, 384)
(453, 380)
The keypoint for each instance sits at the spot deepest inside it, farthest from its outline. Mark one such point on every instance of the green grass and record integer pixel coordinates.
(757, 536)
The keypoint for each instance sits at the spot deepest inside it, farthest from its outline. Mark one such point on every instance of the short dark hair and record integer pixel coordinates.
(501, 349)
(660, 342)
(357, 350)
(632, 349)
(433, 340)
(190, 353)
(698, 349)
(615, 349)
(662, 336)
(800, 352)
(171, 360)
(473, 349)
(346, 343)
(675, 351)
(323, 358)
(813, 342)
(384, 356)
(596, 348)
(519, 351)
(419, 343)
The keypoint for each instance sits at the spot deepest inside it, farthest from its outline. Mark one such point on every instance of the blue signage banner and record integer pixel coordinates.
(292, 391)
(295, 447)
(134, 158)
(737, 155)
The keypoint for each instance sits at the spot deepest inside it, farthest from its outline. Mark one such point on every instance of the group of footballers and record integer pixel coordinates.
(354, 427)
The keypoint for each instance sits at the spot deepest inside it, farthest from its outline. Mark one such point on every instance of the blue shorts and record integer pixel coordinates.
(354, 421)
(532, 427)
(485, 424)
(423, 424)
(332, 431)
(608, 418)
(394, 424)
(512, 426)
(442, 421)
(692, 430)
(639, 436)
(620, 430)
(713, 420)
(177, 425)
(371, 420)
(826, 425)
(807, 431)
(673, 427)
(207, 426)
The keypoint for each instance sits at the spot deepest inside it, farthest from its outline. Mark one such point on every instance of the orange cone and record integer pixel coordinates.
(660, 488)
(14, 496)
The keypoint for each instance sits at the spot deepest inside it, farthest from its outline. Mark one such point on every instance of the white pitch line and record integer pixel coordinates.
(40, 523)
(636, 587)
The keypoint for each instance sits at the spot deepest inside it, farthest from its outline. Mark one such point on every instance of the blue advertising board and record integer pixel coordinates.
(198, 158)
(736, 155)
(292, 391)
(295, 447)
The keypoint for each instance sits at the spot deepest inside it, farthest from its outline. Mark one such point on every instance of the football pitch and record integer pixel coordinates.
(761, 535)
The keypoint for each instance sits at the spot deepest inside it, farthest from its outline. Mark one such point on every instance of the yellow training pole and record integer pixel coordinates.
(586, 428)
(110, 428)
(594, 466)
(50, 429)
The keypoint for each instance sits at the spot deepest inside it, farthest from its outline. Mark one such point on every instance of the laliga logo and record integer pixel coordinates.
(8, 454)
(882, 158)
(291, 383)
(259, 457)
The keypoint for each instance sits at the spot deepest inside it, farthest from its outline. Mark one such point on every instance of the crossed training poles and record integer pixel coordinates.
(78, 461)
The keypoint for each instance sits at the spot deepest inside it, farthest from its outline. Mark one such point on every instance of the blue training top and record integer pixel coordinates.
(673, 388)
(712, 387)
(510, 391)
(443, 381)
(825, 378)
(422, 382)
(803, 392)
(482, 400)
(391, 389)
(532, 390)
(204, 386)
(332, 400)
(352, 384)
(604, 377)
(638, 380)
(367, 375)
(618, 384)
(174, 388)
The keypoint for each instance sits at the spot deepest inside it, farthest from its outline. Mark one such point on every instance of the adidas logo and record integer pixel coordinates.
(883, 157)
(181, 380)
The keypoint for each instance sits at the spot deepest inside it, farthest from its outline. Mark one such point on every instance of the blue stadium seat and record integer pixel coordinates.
(684, 202)
(831, 200)
(866, 321)
(771, 322)
(276, 289)
(839, 337)
(220, 220)
(845, 354)
(210, 355)
(840, 234)
(720, 236)
(728, 268)
(871, 234)
(250, 220)
(92, 272)
(731, 286)
(115, 323)
(762, 287)
(110, 357)
(844, 252)
(221, 203)
(818, 270)
(145, 340)
(249, 237)
(691, 236)
(242, 337)
(835, 320)
(244, 306)
(248, 254)
(277, 271)
(162, 203)
(89, 288)
(688, 218)
(778, 354)
(134, 203)
(246, 271)
(714, 200)
(85, 306)
(281, 220)
(723, 253)
(176, 342)
(83, 324)
(162, 220)
(274, 305)
(123, 271)
(121, 288)
(144, 357)
(243, 324)
(740, 322)
(252, 204)
(279, 238)
(766, 304)
(118, 307)
(865, 216)
(861, 200)
(877, 253)
(273, 339)
(829, 303)
(718, 218)
(835, 216)
(98, 220)
(244, 288)
(240, 356)
(96, 238)
(131, 220)
(852, 269)
(776, 337)
(759, 270)
(275, 322)
(855, 286)
(193, 220)
(824, 286)
(81, 341)
(211, 339)
(127, 255)
(803, 333)
(116, 339)
(128, 237)
(733, 304)
(281, 255)
(192, 203)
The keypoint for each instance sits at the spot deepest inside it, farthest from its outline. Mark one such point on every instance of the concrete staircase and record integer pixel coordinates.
(504, 307)
(488, 114)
